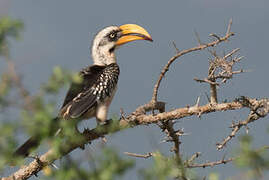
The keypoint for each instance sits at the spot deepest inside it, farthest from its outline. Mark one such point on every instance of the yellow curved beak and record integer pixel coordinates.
(132, 32)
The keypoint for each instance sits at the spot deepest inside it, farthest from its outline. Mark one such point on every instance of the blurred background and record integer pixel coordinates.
(60, 33)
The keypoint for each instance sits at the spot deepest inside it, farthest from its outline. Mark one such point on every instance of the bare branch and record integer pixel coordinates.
(219, 162)
(210, 164)
(175, 46)
(150, 154)
(193, 157)
(206, 81)
(183, 52)
(231, 53)
(167, 127)
(213, 93)
(258, 110)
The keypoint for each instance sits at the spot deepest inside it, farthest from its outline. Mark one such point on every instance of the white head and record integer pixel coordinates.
(110, 38)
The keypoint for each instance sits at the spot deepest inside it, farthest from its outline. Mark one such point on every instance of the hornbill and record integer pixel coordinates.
(92, 97)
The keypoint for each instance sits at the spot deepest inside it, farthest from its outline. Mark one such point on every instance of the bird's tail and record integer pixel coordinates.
(24, 149)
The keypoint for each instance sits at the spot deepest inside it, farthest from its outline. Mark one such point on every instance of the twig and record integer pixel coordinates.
(206, 81)
(228, 138)
(193, 157)
(175, 46)
(222, 161)
(183, 52)
(213, 93)
(231, 53)
(258, 110)
(150, 154)
(167, 127)
(209, 164)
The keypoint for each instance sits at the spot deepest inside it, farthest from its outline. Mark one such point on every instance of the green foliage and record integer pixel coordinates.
(109, 166)
(5, 85)
(9, 28)
(213, 176)
(255, 161)
(59, 78)
(41, 117)
(43, 109)
(163, 168)
(7, 143)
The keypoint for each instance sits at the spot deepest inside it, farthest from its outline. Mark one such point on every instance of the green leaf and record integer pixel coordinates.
(9, 28)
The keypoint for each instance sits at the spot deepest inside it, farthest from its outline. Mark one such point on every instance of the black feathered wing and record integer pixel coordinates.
(97, 83)
(80, 97)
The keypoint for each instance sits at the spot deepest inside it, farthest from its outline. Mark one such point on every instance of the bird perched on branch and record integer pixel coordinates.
(92, 97)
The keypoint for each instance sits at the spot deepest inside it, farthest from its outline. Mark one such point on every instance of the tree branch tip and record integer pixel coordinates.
(175, 46)
(150, 154)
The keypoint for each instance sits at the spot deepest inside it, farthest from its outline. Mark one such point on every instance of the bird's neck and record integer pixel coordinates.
(103, 57)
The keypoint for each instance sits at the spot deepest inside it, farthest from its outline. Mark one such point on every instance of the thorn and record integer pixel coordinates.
(197, 102)
(54, 165)
(229, 27)
(231, 53)
(247, 129)
(199, 115)
(175, 46)
(215, 36)
(197, 37)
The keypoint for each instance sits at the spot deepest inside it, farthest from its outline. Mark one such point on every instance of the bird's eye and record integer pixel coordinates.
(112, 35)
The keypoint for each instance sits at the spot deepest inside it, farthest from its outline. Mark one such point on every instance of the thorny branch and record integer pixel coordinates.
(186, 51)
(210, 164)
(257, 111)
(190, 164)
(220, 68)
(130, 121)
(173, 136)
